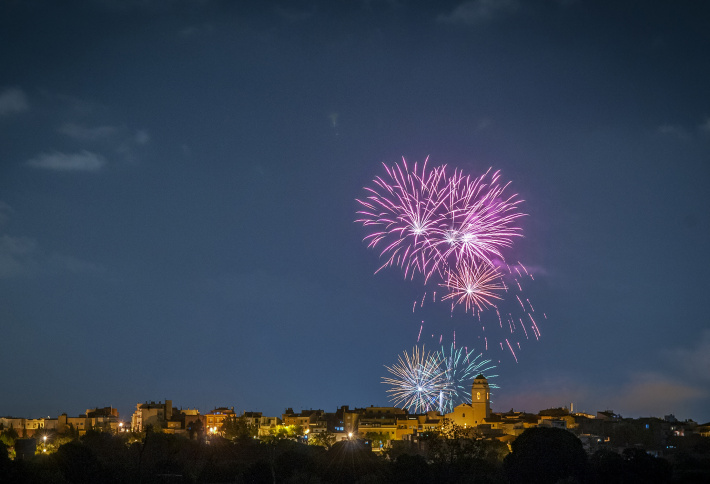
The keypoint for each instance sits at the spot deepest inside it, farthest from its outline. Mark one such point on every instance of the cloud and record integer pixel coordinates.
(62, 263)
(142, 137)
(673, 130)
(480, 11)
(705, 126)
(17, 256)
(654, 394)
(87, 134)
(693, 361)
(13, 100)
(637, 394)
(553, 391)
(22, 257)
(83, 161)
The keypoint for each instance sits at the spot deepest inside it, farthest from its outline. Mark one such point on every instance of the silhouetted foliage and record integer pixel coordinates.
(641, 467)
(545, 455)
(78, 464)
(539, 455)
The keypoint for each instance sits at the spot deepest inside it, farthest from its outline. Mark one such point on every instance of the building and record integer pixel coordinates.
(476, 413)
(213, 420)
(154, 414)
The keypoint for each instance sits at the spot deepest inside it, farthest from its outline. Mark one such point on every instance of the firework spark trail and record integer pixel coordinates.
(521, 302)
(534, 325)
(511, 350)
(417, 380)
(530, 304)
(524, 330)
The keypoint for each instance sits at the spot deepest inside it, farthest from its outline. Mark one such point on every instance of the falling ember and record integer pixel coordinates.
(530, 304)
(511, 350)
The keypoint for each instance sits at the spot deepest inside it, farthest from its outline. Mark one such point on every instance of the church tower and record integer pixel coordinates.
(480, 399)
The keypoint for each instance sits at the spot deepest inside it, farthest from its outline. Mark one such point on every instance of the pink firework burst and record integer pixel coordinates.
(480, 221)
(406, 211)
(427, 221)
(474, 286)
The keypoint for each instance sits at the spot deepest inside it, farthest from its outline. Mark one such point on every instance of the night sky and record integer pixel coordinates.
(178, 185)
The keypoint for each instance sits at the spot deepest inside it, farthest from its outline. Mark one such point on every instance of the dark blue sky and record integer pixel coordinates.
(178, 185)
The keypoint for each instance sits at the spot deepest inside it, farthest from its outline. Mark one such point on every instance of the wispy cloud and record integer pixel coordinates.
(650, 393)
(22, 257)
(17, 256)
(683, 132)
(142, 137)
(82, 161)
(87, 133)
(480, 11)
(13, 100)
(656, 395)
(693, 361)
(673, 130)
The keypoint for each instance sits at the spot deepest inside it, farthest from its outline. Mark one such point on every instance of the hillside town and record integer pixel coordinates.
(380, 428)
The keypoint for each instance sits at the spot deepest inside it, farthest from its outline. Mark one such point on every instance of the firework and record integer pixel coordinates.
(479, 221)
(453, 229)
(435, 381)
(417, 381)
(460, 367)
(427, 221)
(474, 286)
(405, 211)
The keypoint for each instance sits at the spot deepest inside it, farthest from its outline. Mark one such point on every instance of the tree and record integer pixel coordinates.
(238, 428)
(324, 439)
(196, 429)
(281, 432)
(545, 455)
(9, 436)
(378, 439)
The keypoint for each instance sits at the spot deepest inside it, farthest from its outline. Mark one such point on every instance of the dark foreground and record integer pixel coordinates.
(538, 456)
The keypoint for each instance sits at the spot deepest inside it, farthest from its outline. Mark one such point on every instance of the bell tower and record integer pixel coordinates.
(480, 399)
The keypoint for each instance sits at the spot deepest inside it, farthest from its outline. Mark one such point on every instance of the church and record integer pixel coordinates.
(478, 411)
